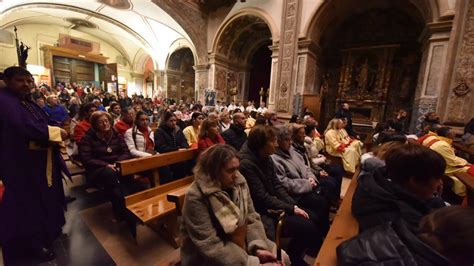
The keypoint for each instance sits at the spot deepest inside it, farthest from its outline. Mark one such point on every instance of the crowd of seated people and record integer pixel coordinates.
(268, 168)
(271, 198)
(220, 224)
(401, 213)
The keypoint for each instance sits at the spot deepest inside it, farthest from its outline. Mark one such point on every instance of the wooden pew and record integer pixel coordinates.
(468, 180)
(151, 206)
(344, 227)
(152, 163)
(469, 153)
(177, 197)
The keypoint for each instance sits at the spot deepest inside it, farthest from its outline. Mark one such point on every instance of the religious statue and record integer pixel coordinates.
(363, 77)
(24, 53)
(21, 50)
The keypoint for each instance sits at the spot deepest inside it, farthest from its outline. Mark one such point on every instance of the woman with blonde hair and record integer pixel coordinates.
(220, 225)
(224, 121)
(340, 144)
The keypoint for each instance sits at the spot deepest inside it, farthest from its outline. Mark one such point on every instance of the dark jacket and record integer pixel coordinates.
(56, 113)
(235, 136)
(93, 150)
(377, 200)
(266, 190)
(168, 139)
(388, 244)
(342, 113)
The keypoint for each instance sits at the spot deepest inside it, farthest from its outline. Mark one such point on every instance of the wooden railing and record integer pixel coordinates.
(344, 227)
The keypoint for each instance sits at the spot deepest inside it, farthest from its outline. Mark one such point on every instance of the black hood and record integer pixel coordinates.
(379, 200)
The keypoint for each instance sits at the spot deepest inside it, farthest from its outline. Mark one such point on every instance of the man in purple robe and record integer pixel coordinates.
(31, 167)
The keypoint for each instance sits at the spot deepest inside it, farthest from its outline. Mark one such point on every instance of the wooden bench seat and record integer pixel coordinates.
(177, 197)
(151, 206)
(344, 227)
(153, 203)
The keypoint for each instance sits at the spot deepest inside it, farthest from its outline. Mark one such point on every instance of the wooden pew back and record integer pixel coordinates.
(137, 165)
(344, 227)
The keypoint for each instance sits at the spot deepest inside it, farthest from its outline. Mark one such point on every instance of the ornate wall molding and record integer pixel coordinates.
(460, 103)
(288, 46)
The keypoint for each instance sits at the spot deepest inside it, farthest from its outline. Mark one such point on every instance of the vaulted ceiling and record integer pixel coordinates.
(127, 25)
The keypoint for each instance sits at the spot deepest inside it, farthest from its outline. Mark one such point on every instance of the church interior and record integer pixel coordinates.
(128, 112)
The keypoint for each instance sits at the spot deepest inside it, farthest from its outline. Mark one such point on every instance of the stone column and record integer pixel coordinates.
(428, 90)
(159, 83)
(272, 94)
(308, 76)
(456, 105)
(288, 45)
(138, 80)
(201, 81)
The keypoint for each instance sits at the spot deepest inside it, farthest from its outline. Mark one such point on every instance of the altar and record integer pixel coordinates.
(364, 82)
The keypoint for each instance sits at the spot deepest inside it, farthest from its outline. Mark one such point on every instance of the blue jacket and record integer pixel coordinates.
(57, 113)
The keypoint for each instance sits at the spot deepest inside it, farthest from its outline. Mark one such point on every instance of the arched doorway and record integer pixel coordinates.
(370, 58)
(180, 75)
(260, 72)
(241, 59)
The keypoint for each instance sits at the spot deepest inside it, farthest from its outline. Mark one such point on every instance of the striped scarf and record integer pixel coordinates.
(230, 212)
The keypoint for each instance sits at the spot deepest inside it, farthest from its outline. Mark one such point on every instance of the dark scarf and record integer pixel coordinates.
(299, 148)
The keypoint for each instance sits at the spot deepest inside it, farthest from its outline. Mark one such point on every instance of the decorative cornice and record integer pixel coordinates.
(308, 46)
(137, 75)
(200, 68)
(434, 28)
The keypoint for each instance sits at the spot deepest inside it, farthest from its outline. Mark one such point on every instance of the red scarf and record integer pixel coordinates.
(149, 145)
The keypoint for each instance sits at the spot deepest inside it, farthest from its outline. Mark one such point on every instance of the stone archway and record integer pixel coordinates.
(234, 48)
(411, 51)
(180, 76)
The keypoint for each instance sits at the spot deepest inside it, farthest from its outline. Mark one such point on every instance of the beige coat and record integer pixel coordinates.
(204, 242)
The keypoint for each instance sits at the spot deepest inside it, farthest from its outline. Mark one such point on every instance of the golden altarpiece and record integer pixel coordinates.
(364, 81)
(371, 61)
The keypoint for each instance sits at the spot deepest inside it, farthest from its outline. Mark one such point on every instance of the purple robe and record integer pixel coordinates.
(30, 209)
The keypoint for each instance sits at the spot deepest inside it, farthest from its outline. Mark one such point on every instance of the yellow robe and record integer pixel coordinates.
(454, 164)
(191, 135)
(352, 152)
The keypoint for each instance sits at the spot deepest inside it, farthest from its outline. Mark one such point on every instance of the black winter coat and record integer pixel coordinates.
(377, 200)
(235, 136)
(266, 190)
(93, 150)
(169, 139)
(388, 244)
